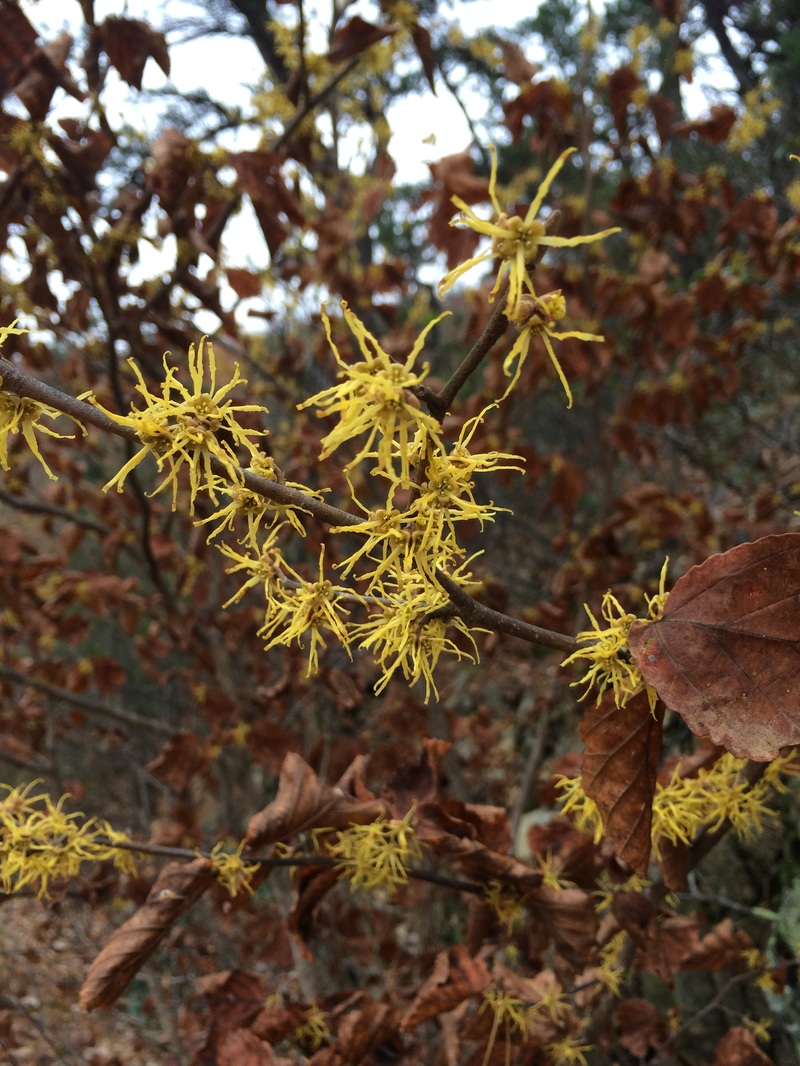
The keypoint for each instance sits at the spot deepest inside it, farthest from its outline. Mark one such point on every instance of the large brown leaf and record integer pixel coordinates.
(129, 43)
(18, 47)
(569, 918)
(619, 769)
(177, 887)
(304, 802)
(726, 654)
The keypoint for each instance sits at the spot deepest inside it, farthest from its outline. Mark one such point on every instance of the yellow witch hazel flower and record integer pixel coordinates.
(378, 855)
(405, 632)
(374, 397)
(20, 414)
(40, 842)
(309, 608)
(181, 426)
(537, 316)
(423, 536)
(256, 509)
(687, 805)
(231, 870)
(607, 651)
(515, 241)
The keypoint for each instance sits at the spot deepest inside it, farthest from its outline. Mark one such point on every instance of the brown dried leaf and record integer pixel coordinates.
(312, 885)
(460, 838)
(18, 47)
(129, 43)
(304, 802)
(234, 998)
(456, 976)
(259, 176)
(739, 1048)
(641, 1027)
(663, 111)
(453, 176)
(243, 1048)
(172, 168)
(356, 36)
(414, 784)
(83, 151)
(422, 42)
(726, 654)
(45, 73)
(622, 84)
(361, 1031)
(619, 768)
(243, 282)
(715, 128)
(721, 949)
(568, 916)
(184, 757)
(177, 887)
(670, 941)
(515, 66)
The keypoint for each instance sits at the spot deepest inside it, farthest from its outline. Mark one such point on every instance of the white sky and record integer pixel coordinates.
(228, 66)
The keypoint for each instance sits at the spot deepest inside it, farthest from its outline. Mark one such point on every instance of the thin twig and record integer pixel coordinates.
(23, 384)
(19, 503)
(476, 614)
(65, 1054)
(439, 403)
(86, 703)
(292, 862)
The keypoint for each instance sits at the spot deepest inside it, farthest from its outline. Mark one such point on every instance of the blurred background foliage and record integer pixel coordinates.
(122, 680)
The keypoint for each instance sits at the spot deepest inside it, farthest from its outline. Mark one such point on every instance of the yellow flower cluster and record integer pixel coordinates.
(374, 397)
(517, 242)
(40, 843)
(377, 855)
(607, 652)
(403, 547)
(183, 426)
(314, 1031)
(295, 608)
(686, 806)
(760, 104)
(231, 870)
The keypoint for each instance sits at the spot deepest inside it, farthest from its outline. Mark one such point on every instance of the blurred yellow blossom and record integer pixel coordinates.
(40, 842)
(21, 415)
(231, 870)
(378, 855)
